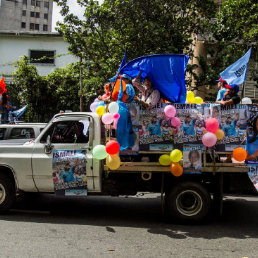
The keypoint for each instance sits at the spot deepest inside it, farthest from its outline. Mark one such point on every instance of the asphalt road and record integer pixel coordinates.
(45, 226)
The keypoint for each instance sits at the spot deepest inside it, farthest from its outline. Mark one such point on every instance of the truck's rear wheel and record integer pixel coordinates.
(188, 202)
(7, 193)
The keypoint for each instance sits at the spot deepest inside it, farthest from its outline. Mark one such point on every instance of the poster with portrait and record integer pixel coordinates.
(69, 172)
(192, 125)
(155, 130)
(234, 124)
(192, 158)
(253, 173)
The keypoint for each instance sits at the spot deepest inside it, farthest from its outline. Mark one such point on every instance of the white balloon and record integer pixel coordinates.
(93, 106)
(246, 100)
(113, 107)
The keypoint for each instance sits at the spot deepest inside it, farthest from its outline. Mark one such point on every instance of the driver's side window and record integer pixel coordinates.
(76, 131)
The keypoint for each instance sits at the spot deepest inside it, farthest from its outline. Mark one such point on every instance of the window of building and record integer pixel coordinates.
(36, 26)
(38, 3)
(33, 2)
(32, 14)
(23, 25)
(23, 12)
(44, 27)
(46, 4)
(42, 57)
(46, 16)
(32, 26)
(24, 2)
(37, 15)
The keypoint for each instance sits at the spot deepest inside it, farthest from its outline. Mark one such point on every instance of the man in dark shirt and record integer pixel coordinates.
(230, 96)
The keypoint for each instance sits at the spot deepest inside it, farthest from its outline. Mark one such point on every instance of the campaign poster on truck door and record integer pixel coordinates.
(155, 130)
(192, 158)
(192, 125)
(69, 172)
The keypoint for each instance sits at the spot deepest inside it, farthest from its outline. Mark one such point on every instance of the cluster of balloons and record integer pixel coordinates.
(107, 117)
(170, 112)
(110, 152)
(190, 98)
(172, 161)
(239, 154)
(210, 138)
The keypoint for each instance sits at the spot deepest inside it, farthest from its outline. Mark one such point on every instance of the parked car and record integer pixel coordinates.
(19, 133)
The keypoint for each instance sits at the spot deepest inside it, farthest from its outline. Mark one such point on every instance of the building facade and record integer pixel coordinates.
(47, 51)
(26, 15)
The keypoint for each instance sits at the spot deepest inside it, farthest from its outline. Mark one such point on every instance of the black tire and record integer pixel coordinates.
(7, 193)
(188, 202)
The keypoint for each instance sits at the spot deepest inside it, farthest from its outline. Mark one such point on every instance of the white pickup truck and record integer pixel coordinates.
(29, 168)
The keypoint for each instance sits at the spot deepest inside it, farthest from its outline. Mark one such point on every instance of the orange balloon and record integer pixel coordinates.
(176, 169)
(239, 154)
(219, 134)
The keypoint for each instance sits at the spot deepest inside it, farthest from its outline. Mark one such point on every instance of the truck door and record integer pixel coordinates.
(52, 162)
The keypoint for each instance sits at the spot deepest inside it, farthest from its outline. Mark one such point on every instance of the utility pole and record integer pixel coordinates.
(81, 95)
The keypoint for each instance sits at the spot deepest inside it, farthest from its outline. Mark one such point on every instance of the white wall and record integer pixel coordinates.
(12, 47)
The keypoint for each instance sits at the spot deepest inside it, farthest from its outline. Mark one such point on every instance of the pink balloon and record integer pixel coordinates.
(107, 118)
(212, 125)
(175, 121)
(170, 111)
(116, 116)
(209, 139)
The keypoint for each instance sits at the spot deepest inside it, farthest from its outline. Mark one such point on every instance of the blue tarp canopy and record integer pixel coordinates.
(166, 72)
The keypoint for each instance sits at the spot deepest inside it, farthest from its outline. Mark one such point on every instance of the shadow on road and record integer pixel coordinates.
(239, 220)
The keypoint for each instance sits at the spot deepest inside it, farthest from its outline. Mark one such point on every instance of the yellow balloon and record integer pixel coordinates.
(113, 162)
(100, 110)
(176, 155)
(164, 160)
(220, 134)
(198, 100)
(190, 94)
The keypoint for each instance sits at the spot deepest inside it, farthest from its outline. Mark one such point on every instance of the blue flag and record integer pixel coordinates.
(236, 73)
(123, 62)
(19, 112)
(166, 72)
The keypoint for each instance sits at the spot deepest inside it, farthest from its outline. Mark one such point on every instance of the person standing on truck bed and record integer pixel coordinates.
(124, 132)
(150, 96)
(222, 89)
(230, 96)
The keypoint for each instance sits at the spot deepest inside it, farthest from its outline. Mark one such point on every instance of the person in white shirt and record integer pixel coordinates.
(150, 96)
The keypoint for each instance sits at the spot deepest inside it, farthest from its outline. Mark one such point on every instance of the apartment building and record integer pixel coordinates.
(26, 15)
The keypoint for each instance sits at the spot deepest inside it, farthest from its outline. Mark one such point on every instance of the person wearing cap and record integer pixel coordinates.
(150, 96)
(230, 96)
(129, 91)
(221, 88)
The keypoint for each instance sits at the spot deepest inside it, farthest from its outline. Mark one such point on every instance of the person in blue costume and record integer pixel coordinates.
(230, 127)
(124, 132)
(252, 142)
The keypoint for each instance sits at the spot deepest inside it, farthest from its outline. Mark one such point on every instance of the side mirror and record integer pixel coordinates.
(48, 147)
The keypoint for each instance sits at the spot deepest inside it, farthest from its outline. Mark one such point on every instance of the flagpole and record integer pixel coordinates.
(243, 89)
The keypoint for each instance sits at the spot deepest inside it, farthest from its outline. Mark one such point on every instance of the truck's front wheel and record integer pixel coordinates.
(7, 193)
(188, 202)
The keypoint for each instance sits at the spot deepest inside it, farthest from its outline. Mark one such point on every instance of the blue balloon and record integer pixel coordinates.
(101, 103)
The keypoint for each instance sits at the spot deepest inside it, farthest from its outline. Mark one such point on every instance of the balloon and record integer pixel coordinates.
(116, 116)
(112, 147)
(239, 154)
(212, 125)
(93, 106)
(198, 100)
(100, 110)
(96, 100)
(113, 162)
(113, 107)
(209, 139)
(99, 152)
(164, 160)
(219, 134)
(101, 103)
(175, 121)
(176, 169)
(246, 101)
(176, 155)
(107, 119)
(170, 111)
(190, 96)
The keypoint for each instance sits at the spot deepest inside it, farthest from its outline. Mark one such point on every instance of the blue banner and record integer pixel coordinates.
(166, 72)
(236, 73)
